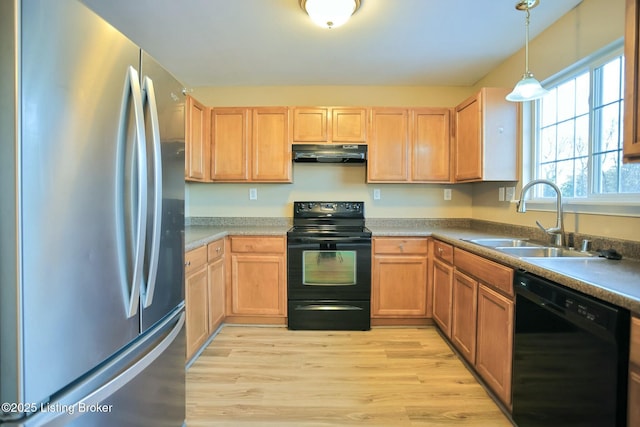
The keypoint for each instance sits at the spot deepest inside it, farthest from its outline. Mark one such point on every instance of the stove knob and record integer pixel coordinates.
(310, 205)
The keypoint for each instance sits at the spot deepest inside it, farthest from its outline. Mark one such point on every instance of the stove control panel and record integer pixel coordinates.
(328, 209)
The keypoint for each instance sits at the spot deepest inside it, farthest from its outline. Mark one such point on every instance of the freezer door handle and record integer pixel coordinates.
(131, 204)
(149, 98)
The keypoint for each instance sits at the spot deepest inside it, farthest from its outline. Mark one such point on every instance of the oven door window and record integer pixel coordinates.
(329, 268)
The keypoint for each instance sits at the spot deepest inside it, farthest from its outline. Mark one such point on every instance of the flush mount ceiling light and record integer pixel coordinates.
(330, 13)
(528, 88)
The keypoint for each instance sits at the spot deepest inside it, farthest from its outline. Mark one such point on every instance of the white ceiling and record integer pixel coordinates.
(273, 42)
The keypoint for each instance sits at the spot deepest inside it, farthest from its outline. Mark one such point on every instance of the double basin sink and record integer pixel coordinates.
(523, 248)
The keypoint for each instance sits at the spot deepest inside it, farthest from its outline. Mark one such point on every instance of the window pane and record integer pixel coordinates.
(608, 123)
(548, 144)
(549, 108)
(630, 182)
(581, 174)
(582, 136)
(611, 81)
(566, 100)
(564, 179)
(608, 175)
(582, 93)
(566, 140)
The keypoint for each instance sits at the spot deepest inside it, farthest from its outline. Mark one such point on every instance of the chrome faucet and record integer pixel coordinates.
(558, 230)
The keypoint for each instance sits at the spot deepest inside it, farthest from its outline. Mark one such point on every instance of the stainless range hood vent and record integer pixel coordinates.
(325, 153)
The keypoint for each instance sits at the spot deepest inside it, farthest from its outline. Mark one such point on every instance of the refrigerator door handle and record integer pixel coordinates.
(131, 236)
(149, 97)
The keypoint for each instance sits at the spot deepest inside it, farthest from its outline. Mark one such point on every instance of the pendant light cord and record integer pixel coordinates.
(526, 44)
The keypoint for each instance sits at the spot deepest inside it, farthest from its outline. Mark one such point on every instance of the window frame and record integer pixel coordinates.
(619, 204)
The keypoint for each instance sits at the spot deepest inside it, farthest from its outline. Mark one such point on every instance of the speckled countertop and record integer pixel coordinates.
(617, 282)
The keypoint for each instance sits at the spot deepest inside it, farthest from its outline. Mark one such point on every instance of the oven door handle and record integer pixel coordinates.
(327, 307)
(329, 239)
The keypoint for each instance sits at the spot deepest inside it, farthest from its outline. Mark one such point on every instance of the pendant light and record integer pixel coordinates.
(330, 13)
(528, 88)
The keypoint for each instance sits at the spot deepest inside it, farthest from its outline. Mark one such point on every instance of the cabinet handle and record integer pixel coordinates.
(187, 264)
(440, 251)
(218, 249)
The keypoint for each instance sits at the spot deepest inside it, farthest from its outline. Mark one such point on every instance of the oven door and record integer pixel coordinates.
(329, 268)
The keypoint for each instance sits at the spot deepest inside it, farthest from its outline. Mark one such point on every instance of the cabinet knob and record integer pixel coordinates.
(440, 251)
(187, 264)
(218, 249)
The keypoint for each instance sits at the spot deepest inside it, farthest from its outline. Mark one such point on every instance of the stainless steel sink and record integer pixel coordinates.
(544, 252)
(505, 242)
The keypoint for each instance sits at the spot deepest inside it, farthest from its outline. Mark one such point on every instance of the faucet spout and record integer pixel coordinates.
(558, 230)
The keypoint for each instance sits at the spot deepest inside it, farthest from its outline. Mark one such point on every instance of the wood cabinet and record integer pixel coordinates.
(196, 141)
(326, 125)
(442, 283)
(464, 315)
(216, 283)
(485, 147)
(410, 145)
(250, 144)
(257, 285)
(631, 147)
(494, 341)
(633, 418)
(399, 283)
(197, 326)
(205, 283)
(490, 310)
(430, 154)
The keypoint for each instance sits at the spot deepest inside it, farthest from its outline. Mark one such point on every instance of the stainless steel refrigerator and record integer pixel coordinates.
(91, 224)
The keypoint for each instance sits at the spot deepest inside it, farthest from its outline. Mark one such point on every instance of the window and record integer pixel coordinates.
(578, 138)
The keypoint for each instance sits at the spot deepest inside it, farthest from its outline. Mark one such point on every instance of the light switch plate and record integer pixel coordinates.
(447, 194)
(253, 194)
(510, 193)
(376, 194)
(501, 194)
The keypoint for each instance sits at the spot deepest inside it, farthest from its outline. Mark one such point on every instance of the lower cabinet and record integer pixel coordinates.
(257, 285)
(634, 374)
(494, 343)
(204, 293)
(464, 315)
(473, 306)
(442, 282)
(197, 321)
(399, 281)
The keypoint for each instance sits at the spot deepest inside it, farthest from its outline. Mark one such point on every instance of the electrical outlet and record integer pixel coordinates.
(447, 194)
(501, 194)
(376, 194)
(510, 193)
(253, 194)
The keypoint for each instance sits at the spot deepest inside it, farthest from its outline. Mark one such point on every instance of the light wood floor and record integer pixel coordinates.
(271, 376)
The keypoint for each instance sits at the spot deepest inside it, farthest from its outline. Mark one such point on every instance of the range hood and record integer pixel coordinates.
(326, 153)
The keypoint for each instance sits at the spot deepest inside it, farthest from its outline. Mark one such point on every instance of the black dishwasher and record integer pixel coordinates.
(570, 357)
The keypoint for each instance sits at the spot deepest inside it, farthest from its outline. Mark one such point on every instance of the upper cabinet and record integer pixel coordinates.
(196, 141)
(632, 73)
(326, 125)
(485, 146)
(250, 144)
(409, 145)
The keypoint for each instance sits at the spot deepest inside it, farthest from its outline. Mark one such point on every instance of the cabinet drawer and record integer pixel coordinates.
(443, 251)
(488, 272)
(195, 259)
(258, 244)
(383, 245)
(215, 249)
(635, 341)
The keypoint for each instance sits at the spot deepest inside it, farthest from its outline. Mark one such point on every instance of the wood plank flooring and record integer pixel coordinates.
(271, 376)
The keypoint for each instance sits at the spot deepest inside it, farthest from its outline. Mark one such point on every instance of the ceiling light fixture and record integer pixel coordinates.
(528, 88)
(330, 13)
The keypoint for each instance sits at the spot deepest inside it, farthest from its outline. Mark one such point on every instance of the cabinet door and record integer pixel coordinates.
(442, 287)
(633, 399)
(468, 146)
(196, 309)
(463, 317)
(388, 146)
(431, 145)
(258, 284)
(196, 141)
(495, 341)
(310, 124)
(271, 145)
(632, 73)
(230, 136)
(216, 293)
(349, 125)
(399, 287)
